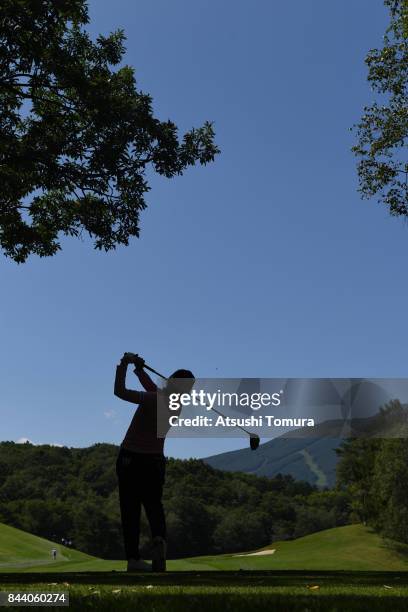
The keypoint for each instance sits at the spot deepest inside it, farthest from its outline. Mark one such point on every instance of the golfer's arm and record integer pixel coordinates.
(145, 380)
(120, 386)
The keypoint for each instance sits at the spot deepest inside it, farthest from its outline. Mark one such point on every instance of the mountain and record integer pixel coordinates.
(313, 460)
(310, 453)
(306, 454)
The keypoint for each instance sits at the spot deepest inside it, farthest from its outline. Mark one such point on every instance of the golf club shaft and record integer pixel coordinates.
(224, 417)
(213, 409)
(146, 367)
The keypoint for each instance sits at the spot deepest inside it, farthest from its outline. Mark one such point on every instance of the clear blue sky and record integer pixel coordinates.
(265, 263)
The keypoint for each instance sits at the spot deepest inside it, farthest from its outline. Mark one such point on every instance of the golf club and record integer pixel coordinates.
(254, 439)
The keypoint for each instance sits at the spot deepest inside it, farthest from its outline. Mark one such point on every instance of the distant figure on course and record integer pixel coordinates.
(140, 465)
(54, 554)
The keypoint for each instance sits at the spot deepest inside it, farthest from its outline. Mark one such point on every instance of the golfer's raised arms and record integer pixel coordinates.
(120, 385)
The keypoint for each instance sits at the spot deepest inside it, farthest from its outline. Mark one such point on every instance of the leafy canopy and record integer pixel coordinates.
(383, 130)
(72, 493)
(76, 134)
(373, 472)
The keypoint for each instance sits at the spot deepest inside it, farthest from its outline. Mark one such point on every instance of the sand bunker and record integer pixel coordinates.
(260, 553)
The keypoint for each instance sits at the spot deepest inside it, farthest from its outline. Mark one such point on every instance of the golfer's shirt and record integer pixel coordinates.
(142, 434)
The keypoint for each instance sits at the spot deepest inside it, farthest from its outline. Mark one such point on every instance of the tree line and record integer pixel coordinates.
(373, 471)
(69, 493)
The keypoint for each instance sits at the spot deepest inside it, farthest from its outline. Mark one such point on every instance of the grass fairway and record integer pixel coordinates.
(288, 591)
(349, 548)
(348, 568)
(353, 547)
(20, 550)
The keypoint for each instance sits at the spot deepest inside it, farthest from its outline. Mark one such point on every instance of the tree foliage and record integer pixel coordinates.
(383, 129)
(374, 473)
(390, 487)
(72, 494)
(355, 472)
(76, 134)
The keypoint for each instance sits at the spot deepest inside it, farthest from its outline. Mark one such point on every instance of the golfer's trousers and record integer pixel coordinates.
(141, 480)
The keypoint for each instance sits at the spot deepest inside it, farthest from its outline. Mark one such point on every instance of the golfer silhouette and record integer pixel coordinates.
(141, 464)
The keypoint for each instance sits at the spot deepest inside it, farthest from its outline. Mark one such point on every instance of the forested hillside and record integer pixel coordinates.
(72, 494)
(374, 473)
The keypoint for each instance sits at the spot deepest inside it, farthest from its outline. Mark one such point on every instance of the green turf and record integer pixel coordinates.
(20, 550)
(353, 547)
(316, 573)
(287, 591)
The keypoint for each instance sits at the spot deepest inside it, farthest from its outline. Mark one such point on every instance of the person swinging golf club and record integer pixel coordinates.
(141, 464)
